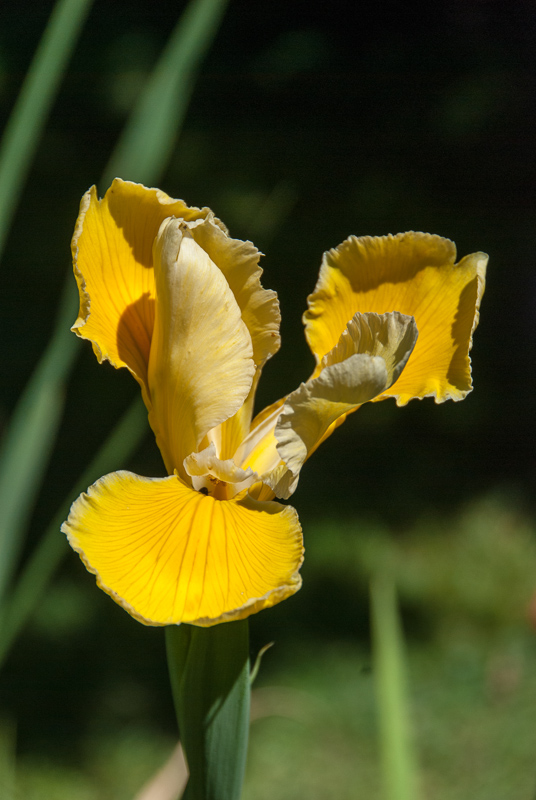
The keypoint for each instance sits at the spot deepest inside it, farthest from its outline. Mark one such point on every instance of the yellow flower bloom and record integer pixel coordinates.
(165, 292)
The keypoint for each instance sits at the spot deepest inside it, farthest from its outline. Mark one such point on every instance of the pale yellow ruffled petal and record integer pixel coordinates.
(200, 366)
(222, 479)
(312, 409)
(112, 256)
(258, 451)
(239, 262)
(415, 274)
(369, 357)
(168, 554)
(391, 336)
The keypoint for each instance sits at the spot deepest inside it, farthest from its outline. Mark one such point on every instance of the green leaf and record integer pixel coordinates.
(147, 143)
(399, 763)
(209, 671)
(30, 437)
(29, 115)
(7, 760)
(52, 546)
(257, 664)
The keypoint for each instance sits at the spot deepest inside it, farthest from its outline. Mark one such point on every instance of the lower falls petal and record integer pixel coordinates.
(169, 554)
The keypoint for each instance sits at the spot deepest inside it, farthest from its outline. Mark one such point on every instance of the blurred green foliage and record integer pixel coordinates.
(314, 731)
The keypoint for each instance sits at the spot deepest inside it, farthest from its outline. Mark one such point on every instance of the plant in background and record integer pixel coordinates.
(165, 292)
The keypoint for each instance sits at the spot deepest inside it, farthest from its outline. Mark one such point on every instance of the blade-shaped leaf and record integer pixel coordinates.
(30, 437)
(52, 546)
(399, 765)
(35, 99)
(147, 143)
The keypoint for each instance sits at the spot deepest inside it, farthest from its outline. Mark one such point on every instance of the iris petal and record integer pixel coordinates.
(206, 463)
(416, 274)
(168, 554)
(391, 336)
(200, 367)
(239, 263)
(112, 255)
(369, 357)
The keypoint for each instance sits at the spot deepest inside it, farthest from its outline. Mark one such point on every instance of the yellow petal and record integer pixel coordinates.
(239, 262)
(258, 451)
(200, 365)
(415, 274)
(315, 406)
(228, 436)
(112, 256)
(168, 554)
(289, 431)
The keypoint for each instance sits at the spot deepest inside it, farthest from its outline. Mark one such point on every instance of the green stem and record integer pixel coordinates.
(209, 672)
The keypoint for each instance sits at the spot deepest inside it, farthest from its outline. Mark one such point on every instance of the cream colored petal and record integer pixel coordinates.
(315, 406)
(206, 463)
(391, 336)
(239, 262)
(228, 436)
(200, 366)
(291, 430)
(168, 554)
(112, 257)
(259, 448)
(415, 274)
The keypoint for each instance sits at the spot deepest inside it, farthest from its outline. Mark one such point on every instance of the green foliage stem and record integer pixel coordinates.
(28, 117)
(210, 679)
(30, 437)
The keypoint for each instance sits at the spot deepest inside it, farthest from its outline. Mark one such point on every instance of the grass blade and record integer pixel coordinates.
(399, 764)
(29, 440)
(7, 760)
(147, 143)
(28, 117)
(52, 546)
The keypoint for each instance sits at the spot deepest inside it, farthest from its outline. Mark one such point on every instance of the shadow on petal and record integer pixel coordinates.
(459, 371)
(139, 211)
(134, 334)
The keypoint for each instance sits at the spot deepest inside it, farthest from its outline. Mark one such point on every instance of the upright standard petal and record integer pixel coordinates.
(239, 262)
(112, 257)
(259, 307)
(415, 274)
(200, 366)
(168, 554)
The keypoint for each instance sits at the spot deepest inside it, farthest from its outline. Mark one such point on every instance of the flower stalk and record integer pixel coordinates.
(210, 679)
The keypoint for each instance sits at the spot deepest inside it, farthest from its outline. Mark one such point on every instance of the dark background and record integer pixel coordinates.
(309, 122)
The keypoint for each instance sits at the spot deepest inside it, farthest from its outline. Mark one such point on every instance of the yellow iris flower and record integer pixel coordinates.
(166, 293)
